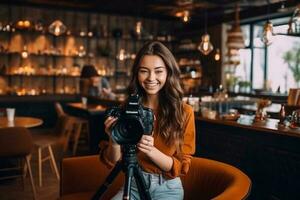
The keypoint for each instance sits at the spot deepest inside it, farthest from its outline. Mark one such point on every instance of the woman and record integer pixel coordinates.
(166, 154)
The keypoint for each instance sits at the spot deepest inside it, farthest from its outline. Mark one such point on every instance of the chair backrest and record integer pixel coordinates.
(15, 142)
(59, 109)
(293, 96)
(210, 179)
(63, 125)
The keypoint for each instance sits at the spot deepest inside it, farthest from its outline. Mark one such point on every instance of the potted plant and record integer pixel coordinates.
(292, 58)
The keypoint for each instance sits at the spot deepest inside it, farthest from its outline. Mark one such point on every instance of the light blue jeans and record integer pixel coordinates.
(159, 188)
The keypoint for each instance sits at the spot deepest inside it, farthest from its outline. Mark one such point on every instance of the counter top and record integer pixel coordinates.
(245, 121)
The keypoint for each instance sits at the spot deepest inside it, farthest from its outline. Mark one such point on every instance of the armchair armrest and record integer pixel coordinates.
(86, 174)
(81, 174)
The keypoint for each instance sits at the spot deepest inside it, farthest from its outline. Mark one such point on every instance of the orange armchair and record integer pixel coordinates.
(207, 179)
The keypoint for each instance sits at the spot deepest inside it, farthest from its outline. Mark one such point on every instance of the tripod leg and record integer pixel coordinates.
(127, 185)
(141, 184)
(109, 179)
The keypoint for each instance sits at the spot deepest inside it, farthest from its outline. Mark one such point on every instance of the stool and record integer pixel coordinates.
(41, 146)
(59, 136)
(79, 125)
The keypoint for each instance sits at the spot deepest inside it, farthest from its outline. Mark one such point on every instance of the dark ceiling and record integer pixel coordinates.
(217, 10)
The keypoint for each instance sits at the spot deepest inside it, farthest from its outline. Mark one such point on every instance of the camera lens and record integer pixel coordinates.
(128, 131)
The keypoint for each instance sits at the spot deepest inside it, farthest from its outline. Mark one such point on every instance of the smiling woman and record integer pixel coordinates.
(152, 73)
(166, 154)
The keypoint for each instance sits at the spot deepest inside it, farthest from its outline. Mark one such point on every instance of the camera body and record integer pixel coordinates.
(134, 120)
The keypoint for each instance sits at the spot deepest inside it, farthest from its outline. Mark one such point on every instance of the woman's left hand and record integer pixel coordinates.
(146, 144)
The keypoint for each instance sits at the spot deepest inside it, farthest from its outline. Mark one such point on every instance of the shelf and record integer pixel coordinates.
(289, 34)
(41, 75)
(51, 55)
(28, 31)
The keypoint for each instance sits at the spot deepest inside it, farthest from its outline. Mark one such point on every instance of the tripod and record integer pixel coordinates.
(131, 168)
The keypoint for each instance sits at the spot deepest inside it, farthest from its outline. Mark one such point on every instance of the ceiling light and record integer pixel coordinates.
(186, 16)
(294, 23)
(268, 34)
(57, 28)
(217, 55)
(138, 28)
(205, 46)
(235, 38)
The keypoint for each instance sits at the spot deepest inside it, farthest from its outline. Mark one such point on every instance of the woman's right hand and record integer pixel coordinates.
(108, 123)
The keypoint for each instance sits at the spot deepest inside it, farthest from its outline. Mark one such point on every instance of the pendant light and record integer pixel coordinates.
(138, 28)
(268, 34)
(186, 16)
(294, 23)
(235, 39)
(205, 46)
(57, 28)
(217, 55)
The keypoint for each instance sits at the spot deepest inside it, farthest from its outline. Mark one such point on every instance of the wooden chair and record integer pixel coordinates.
(45, 141)
(80, 126)
(293, 97)
(16, 143)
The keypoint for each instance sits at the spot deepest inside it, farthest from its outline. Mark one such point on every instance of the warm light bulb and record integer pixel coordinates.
(57, 28)
(27, 23)
(268, 34)
(205, 46)
(186, 16)
(138, 28)
(121, 55)
(24, 53)
(217, 55)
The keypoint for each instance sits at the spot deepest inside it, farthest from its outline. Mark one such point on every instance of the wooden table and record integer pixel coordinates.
(27, 122)
(91, 108)
(94, 113)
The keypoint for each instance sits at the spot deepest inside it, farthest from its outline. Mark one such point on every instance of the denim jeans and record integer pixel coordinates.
(159, 188)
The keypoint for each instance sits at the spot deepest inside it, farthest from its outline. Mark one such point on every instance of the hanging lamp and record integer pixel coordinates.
(57, 28)
(235, 39)
(205, 46)
(268, 34)
(294, 23)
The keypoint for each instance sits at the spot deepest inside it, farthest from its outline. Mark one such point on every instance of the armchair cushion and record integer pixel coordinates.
(207, 179)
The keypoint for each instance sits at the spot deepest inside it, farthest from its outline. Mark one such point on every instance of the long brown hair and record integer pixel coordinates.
(170, 112)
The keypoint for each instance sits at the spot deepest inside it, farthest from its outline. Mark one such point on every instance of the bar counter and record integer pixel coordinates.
(246, 121)
(269, 155)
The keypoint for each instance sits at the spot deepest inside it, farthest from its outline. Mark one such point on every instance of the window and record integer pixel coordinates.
(268, 67)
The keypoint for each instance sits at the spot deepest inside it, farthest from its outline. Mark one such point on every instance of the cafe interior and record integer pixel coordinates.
(240, 71)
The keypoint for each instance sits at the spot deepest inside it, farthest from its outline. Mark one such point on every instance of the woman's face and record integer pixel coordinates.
(152, 74)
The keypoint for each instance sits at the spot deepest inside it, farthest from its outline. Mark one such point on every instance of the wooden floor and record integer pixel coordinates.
(13, 189)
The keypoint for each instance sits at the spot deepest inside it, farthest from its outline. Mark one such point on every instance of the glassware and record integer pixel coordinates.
(282, 115)
(295, 119)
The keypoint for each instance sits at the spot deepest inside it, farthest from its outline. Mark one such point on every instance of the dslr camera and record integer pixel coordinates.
(134, 120)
